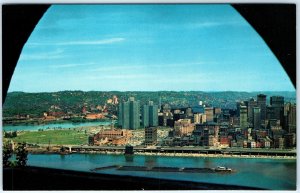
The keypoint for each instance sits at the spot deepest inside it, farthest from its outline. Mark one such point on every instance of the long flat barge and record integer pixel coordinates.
(160, 169)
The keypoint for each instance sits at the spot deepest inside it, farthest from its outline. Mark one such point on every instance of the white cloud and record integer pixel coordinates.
(72, 43)
(43, 55)
(212, 24)
(117, 68)
(71, 65)
(207, 24)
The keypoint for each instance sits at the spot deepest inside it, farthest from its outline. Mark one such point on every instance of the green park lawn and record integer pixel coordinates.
(59, 137)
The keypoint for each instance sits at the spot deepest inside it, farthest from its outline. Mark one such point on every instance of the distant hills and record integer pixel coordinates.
(35, 104)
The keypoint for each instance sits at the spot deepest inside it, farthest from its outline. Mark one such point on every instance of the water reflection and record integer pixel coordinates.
(128, 158)
(150, 161)
(206, 162)
(92, 157)
(62, 157)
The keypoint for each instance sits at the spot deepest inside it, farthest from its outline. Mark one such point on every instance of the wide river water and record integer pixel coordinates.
(64, 125)
(275, 174)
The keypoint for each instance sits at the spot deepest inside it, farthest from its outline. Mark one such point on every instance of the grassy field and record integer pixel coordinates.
(59, 137)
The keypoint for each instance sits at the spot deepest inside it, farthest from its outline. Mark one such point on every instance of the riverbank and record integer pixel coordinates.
(213, 155)
(42, 121)
(55, 125)
(56, 151)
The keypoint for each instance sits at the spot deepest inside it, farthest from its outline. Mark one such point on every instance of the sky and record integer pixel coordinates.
(146, 48)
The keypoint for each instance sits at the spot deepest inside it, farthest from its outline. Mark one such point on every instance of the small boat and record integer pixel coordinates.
(222, 169)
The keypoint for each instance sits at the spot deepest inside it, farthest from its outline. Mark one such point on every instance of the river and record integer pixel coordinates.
(64, 125)
(275, 174)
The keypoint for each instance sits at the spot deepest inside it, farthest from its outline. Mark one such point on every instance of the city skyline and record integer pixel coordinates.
(146, 48)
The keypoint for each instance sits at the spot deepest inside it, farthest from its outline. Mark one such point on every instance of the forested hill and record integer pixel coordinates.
(35, 104)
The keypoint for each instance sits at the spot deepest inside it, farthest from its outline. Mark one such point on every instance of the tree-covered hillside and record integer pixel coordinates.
(35, 104)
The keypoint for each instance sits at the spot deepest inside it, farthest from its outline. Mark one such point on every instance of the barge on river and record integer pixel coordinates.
(165, 169)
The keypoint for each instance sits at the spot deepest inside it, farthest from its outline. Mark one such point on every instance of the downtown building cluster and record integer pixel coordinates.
(132, 116)
(253, 124)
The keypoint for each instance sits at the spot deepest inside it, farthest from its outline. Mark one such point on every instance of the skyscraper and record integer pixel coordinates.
(262, 104)
(145, 116)
(243, 117)
(256, 118)
(120, 114)
(292, 119)
(270, 113)
(153, 114)
(238, 106)
(150, 115)
(129, 114)
(159, 103)
(209, 112)
(123, 115)
(252, 103)
(277, 103)
(134, 119)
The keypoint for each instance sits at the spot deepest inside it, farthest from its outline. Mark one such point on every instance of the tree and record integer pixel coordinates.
(21, 155)
(14, 134)
(7, 153)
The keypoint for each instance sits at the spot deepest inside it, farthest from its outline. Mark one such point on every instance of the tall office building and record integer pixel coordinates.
(286, 110)
(256, 118)
(246, 103)
(120, 114)
(145, 116)
(277, 103)
(123, 115)
(209, 112)
(134, 119)
(262, 104)
(129, 114)
(251, 103)
(150, 115)
(153, 114)
(159, 103)
(238, 106)
(243, 117)
(292, 119)
(270, 113)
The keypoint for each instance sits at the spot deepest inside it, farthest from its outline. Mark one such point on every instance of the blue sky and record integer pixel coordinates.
(146, 48)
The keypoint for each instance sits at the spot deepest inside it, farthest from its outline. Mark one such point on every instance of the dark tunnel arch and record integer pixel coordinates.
(279, 33)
